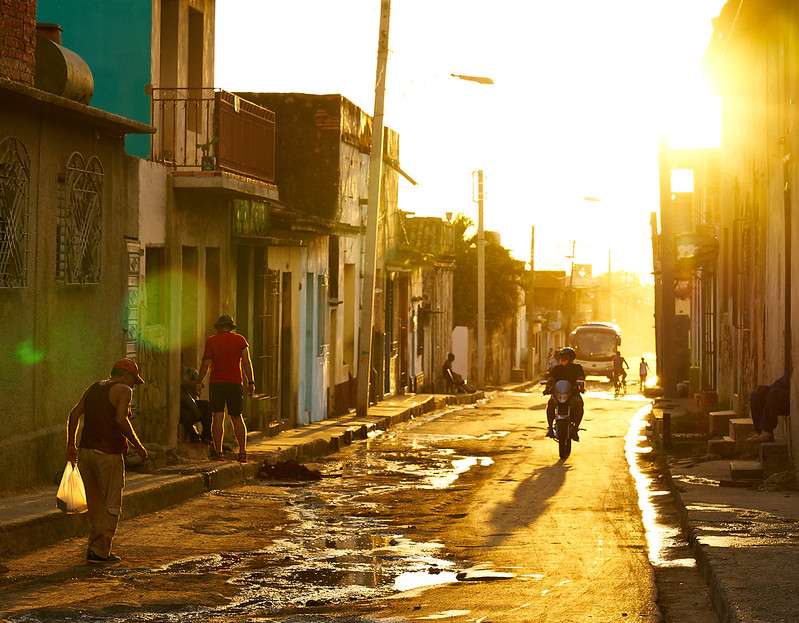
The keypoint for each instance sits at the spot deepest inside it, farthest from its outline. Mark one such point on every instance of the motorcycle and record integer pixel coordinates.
(562, 394)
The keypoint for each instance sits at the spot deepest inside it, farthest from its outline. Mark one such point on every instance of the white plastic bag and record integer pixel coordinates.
(71, 496)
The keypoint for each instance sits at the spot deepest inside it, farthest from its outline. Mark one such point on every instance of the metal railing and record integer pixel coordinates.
(213, 130)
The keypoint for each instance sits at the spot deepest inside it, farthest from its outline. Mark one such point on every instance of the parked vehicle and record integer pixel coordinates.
(595, 344)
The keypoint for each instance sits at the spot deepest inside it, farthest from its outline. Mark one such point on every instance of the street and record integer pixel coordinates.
(461, 515)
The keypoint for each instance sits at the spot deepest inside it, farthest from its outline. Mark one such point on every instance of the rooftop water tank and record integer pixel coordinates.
(58, 70)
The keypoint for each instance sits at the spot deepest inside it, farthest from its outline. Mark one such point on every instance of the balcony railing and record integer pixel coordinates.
(213, 130)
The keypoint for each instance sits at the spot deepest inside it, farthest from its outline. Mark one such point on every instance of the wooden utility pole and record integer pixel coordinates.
(366, 329)
(570, 304)
(531, 345)
(667, 332)
(481, 287)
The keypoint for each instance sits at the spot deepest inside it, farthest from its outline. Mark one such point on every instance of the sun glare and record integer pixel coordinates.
(582, 92)
(694, 121)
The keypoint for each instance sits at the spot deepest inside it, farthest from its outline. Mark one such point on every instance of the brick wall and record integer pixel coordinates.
(18, 40)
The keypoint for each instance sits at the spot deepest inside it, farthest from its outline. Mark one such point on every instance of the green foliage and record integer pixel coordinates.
(504, 276)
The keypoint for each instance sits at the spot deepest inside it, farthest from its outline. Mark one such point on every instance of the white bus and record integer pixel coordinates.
(595, 344)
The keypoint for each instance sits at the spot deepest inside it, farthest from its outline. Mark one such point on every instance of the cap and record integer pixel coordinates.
(129, 366)
(225, 321)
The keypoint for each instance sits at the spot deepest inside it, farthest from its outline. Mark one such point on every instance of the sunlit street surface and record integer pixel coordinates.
(462, 515)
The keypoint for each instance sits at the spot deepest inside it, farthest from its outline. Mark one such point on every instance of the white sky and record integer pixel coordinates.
(582, 90)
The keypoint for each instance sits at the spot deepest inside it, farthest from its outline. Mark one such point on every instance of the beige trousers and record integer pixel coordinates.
(104, 479)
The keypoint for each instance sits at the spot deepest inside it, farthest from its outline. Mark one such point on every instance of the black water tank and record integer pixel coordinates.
(58, 70)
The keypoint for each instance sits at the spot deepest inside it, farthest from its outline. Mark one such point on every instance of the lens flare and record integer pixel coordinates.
(27, 355)
(145, 313)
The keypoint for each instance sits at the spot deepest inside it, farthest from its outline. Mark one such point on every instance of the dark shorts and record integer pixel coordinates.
(230, 394)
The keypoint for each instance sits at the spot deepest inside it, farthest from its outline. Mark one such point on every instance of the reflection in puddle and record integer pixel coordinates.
(417, 579)
(660, 538)
(459, 466)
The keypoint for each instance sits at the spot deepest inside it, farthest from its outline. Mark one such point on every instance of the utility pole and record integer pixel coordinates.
(366, 329)
(570, 306)
(481, 286)
(610, 292)
(481, 315)
(531, 349)
(667, 332)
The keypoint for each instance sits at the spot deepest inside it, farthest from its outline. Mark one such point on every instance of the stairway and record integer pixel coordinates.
(773, 456)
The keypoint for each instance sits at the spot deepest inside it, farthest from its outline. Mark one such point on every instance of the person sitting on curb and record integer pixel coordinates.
(766, 403)
(452, 378)
(192, 409)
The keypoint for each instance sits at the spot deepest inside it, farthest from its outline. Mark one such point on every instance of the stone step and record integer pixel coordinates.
(746, 470)
(741, 428)
(783, 426)
(775, 457)
(724, 446)
(719, 421)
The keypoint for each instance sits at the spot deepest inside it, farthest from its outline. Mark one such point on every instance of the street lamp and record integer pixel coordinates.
(481, 297)
(366, 327)
(477, 79)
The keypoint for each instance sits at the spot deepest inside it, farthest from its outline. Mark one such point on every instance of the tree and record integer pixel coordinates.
(503, 280)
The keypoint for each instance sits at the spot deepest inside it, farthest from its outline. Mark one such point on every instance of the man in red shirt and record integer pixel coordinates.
(226, 353)
(105, 408)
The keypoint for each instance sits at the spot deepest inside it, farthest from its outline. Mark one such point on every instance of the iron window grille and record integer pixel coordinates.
(80, 222)
(14, 213)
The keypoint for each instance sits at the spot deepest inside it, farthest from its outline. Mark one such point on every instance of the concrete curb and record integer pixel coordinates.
(718, 592)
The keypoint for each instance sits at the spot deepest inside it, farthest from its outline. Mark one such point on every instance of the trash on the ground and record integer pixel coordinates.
(288, 470)
(781, 481)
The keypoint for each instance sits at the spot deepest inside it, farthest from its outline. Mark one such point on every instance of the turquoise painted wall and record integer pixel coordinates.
(114, 38)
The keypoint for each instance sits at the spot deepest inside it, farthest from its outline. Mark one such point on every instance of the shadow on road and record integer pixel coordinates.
(530, 501)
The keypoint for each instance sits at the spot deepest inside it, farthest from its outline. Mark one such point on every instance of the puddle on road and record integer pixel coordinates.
(353, 554)
(665, 542)
(411, 580)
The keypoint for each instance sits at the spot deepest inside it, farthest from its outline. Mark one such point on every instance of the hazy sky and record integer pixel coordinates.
(581, 91)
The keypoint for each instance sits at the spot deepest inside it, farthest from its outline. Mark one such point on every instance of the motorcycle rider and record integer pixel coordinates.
(566, 370)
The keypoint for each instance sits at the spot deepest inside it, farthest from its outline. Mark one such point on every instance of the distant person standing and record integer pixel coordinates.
(226, 353)
(643, 370)
(105, 408)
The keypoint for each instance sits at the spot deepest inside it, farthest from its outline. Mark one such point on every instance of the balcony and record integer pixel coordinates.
(213, 130)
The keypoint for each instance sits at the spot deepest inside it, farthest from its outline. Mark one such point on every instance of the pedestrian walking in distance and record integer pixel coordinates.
(643, 371)
(226, 354)
(107, 431)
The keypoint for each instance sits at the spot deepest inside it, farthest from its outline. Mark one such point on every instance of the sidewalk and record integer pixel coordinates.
(745, 540)
(31, 520)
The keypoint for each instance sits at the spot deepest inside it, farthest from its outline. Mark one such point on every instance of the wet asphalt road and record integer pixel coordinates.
(464, 515)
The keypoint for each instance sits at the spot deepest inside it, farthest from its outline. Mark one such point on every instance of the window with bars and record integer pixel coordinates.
(80, 221)
(14, 211)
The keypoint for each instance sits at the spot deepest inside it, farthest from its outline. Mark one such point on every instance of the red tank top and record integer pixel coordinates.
(100, 430)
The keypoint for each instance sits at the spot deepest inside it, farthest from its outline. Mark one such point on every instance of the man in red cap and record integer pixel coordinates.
(226, 354)
(105, 407)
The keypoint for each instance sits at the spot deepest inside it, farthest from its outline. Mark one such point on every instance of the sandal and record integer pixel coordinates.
(242, 457)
